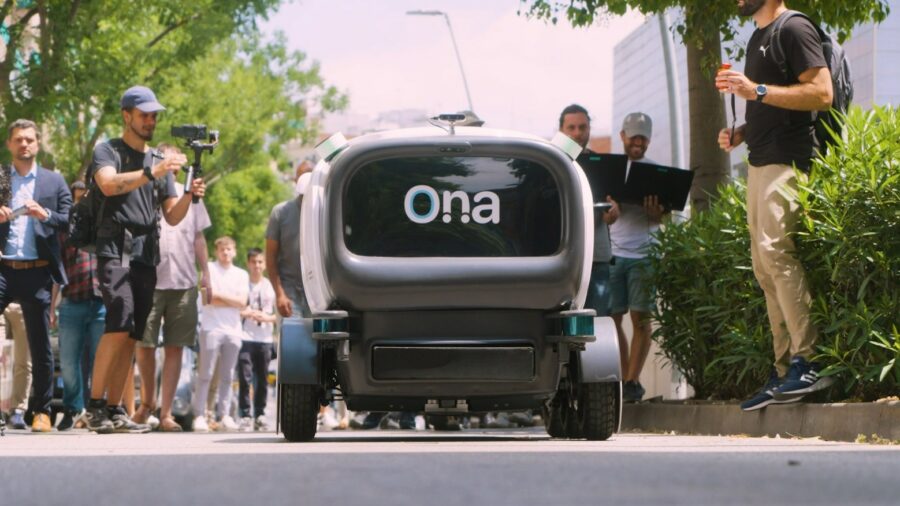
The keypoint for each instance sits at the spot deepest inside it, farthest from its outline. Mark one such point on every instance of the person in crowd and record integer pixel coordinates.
(174, 309)
(14, 323)
(221, 335)
(283, 254)
(36, 209)
(630, 275)
(135, 182)
(780, 135)
(257, 346)
(81, 320)
(575, 122)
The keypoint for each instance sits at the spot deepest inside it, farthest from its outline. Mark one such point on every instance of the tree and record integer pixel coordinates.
(240, 205)
(703, 27)
(255, 93)
(66, 62)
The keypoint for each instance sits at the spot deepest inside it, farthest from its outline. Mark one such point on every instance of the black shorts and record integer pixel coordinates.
(127, 295)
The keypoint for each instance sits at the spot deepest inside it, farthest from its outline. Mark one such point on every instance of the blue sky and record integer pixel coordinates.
(520, 72)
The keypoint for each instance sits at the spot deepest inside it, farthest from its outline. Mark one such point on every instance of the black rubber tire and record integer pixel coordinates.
(552, 417)
(299, 409)
(572, 419)
(599, 406)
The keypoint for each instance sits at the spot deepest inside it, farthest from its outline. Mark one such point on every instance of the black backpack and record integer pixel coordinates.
(826, 122)
(86, 215)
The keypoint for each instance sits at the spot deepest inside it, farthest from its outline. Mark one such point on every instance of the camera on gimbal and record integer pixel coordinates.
(192, 133)
(194, 136)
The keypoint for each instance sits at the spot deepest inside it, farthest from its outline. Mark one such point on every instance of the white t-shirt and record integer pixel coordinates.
(262, 297)
(232, 281)
(633, 233)
(176, 269)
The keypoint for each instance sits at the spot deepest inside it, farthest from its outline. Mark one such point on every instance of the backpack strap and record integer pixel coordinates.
(93, 183)
(778, 48)
(127, 241)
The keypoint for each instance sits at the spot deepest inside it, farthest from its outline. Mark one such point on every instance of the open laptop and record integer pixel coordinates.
(670, 184)
(605, 173)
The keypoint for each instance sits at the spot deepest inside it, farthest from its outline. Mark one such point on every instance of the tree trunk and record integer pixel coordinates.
(707, 117)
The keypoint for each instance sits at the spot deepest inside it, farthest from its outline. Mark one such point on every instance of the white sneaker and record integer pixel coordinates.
(200, 424)
(329, 421)
(246, 424)
(153, 422)
(227, 424)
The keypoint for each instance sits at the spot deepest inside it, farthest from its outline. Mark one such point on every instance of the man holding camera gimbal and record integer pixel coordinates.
(135, 182)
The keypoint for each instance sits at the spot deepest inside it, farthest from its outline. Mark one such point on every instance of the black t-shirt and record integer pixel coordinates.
(776, 135)
(137, 210)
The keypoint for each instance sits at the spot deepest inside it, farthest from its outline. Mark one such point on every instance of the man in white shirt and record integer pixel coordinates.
(174, 308)
(221, 335)
(256, 349)
(630, 276)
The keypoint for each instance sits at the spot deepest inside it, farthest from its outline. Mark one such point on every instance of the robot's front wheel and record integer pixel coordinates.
(298, 411)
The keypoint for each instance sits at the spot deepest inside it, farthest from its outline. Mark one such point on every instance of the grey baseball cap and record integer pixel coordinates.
(637, 123)
(141, 97)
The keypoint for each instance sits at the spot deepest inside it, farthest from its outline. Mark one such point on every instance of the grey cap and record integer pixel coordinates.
(472, 119)
(637, 123)
(78, 185)
(141, 97)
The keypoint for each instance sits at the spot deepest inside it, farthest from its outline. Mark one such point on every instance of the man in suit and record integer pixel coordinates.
(30, 218)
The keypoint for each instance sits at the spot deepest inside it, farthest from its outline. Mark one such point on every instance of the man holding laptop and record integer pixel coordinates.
(631, 290)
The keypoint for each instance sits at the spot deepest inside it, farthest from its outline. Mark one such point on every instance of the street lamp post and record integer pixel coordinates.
(455, 48)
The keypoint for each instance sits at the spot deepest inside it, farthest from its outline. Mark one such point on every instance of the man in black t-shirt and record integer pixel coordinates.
(779, 134)
(136, 183)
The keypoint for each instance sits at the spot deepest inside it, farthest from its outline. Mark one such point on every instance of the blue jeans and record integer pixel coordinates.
(598, 289)
(80, 327)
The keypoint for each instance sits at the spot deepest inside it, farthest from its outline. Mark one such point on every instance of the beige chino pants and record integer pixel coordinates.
(773, 214)
(15, 325)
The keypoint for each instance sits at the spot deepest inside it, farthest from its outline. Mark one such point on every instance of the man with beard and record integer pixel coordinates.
(576, 124)
(779, 132)
(135, 182)
(36, 207)
(631, 274)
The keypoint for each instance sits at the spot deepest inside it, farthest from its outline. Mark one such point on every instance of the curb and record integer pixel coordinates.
(837, 421)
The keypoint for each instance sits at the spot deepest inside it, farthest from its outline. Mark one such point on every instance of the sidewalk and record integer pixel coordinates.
(837, 422)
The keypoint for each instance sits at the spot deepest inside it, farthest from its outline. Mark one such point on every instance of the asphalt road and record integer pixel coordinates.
(471, 468)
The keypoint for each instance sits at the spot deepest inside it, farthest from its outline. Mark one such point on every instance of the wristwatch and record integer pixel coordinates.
(761, 91)
(148, 173)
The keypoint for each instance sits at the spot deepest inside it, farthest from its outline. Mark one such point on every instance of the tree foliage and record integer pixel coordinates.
(708, 16)
(703, 26)
(255, 93)
(67, 62)
(240, 205)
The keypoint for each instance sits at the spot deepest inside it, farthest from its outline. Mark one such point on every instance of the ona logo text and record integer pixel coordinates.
(486, 208)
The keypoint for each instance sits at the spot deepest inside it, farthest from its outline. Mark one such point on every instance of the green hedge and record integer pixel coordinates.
(712, 317)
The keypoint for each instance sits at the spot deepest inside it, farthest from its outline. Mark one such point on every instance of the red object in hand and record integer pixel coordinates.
(724, 66)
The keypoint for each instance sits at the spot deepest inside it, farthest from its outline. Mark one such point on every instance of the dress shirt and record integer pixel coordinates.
(20, 245)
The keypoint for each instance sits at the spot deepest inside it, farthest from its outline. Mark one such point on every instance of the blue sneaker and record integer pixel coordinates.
(802, 378)
(766, 395)
(17, 420)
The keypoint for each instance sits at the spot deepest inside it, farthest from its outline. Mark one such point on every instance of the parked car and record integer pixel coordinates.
(446, 270)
